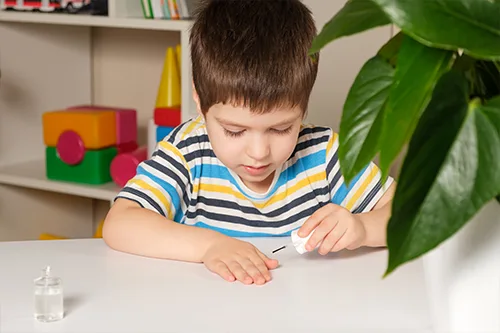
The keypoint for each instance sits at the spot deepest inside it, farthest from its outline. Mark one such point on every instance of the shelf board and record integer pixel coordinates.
(94, 21)
(32, 175)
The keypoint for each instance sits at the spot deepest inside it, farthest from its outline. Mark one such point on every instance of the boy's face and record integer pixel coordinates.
(252, 145)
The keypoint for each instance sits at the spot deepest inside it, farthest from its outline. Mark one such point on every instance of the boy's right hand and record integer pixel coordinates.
(234, 259)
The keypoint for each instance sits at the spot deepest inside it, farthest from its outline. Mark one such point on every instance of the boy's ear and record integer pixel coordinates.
(196, 99)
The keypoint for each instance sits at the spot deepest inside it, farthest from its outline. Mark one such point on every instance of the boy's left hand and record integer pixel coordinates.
(336, 229)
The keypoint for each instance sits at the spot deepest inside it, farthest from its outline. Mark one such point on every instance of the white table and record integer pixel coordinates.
(109, 291)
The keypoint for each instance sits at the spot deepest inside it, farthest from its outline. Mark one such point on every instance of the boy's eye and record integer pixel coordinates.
(282, 132)
(233, 134)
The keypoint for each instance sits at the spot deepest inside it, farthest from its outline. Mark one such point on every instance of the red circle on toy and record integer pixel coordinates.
(70, 148)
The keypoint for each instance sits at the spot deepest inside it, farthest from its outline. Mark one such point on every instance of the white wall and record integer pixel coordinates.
(339, 63)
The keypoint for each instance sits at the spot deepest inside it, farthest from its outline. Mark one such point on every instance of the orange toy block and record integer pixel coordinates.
(96, 128)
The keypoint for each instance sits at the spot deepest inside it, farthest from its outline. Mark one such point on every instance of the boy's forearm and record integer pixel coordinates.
(375, 221)
(140, 231)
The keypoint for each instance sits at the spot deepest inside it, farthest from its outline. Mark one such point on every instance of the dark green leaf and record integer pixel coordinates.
(487, 79)
(471, 25)
(361, 119)
(356, 16)
(449, 173)
(418, 69)
(390, 50)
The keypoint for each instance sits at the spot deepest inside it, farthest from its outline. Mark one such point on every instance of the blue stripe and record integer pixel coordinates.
(179, 215)
(221, 172)
(165, 185)
(237, 233)
(343, 191)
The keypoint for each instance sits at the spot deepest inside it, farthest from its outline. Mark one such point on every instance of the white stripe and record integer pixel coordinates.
(239, 227)
(295, 210)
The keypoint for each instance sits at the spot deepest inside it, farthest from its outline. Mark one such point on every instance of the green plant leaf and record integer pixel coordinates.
(356, 16)
(390, 50)
(473, 26)
(487, 79)
(449, 173)
(361, 120)
(418, 69)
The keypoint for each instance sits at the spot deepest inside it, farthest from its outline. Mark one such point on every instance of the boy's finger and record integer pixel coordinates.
(253, 271)
(239, 272)
(320, 233)
(314, 220)
(261, 266)
(334, 239)
(221, 269)
(270, 263)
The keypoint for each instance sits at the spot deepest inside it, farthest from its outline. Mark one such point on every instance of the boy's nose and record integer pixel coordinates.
(258, 149)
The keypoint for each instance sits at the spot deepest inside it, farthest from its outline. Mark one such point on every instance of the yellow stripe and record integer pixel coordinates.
(190, 128)
(330, 143)
(168, 146)
(275, 198)
(362, 188)
(159, 195)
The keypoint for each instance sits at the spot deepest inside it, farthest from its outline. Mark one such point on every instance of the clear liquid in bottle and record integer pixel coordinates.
(49, 298)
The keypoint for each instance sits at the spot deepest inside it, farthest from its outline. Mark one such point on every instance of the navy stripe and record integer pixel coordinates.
(331, 164)
(199, 154)
(173, 134)
(143, 196)
(238, 219)
(193, 140)
(368, 198)
(311, 130)
(176, 164)
(309, 196)
(334, 181)
(309, 143)
(170, 175)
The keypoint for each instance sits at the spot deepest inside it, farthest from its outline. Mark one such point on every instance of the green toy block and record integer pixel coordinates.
(94, 168)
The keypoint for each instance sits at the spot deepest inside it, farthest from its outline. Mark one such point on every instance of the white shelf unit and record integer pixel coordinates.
(52, 61)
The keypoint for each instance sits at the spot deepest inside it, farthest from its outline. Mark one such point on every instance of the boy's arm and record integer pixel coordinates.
(132, 229)
(375, 221)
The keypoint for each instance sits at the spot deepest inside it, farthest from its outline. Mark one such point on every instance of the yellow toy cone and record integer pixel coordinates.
(169, 92)
(178, 49)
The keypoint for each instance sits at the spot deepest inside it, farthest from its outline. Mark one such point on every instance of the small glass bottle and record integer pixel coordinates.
(49, 298)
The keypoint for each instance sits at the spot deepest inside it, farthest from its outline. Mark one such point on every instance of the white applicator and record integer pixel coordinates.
(299, 243)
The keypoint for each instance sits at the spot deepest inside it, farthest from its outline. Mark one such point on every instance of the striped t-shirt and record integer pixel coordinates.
(185, 182)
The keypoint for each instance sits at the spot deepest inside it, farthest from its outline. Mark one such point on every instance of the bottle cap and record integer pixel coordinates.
(300, 242)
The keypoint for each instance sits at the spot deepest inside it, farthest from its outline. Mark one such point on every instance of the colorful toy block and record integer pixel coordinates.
(124, 166)
(162, 132)
(169, 91)
(169, 117)
(96, 128)
(126, 121)
(93, 169)
(82, 141)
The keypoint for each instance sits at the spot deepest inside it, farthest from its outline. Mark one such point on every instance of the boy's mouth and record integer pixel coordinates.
(256, 170)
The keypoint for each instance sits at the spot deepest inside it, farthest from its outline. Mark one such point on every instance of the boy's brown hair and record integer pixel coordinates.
(253, 53)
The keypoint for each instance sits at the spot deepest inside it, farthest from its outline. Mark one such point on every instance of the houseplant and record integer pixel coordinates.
(434, 88)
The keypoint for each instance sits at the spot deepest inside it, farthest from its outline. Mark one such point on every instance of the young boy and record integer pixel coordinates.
(247, 166)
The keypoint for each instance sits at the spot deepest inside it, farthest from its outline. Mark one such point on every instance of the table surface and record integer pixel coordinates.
(110, 291)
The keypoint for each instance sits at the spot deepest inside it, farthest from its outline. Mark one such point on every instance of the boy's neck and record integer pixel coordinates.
(263, 186)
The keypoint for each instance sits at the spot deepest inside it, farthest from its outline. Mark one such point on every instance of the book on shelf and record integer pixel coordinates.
(168, 9)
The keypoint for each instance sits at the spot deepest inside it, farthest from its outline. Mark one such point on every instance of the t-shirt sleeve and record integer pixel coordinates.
(161, 183)
(363, 192)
